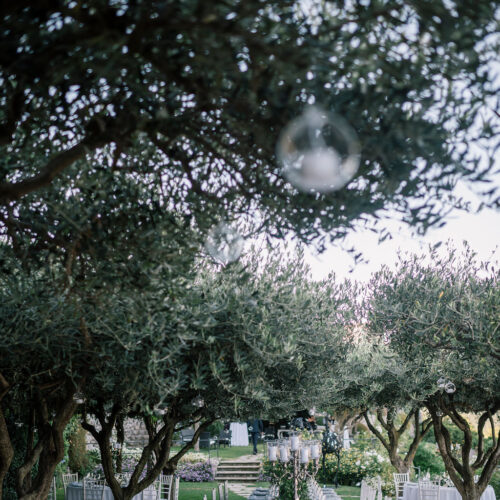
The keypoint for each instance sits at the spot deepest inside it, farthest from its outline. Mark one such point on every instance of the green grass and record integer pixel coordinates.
(195, 491)
(348, 492)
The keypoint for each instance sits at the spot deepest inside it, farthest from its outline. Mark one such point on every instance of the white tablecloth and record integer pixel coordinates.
(239, 434)
(74, 491)
(445, 493)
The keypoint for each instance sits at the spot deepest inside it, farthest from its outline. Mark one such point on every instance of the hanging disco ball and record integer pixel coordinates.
(450, 387)
(319, 151)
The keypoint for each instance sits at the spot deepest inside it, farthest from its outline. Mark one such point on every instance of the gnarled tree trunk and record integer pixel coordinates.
(393, 435)
(158, 448)
(461, 471)
(48, 450)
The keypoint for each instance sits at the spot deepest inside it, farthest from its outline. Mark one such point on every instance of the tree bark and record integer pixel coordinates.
(49, 449)
(390, 441)
(462, 472)
(6, 450)
(158, 447)
(197, 444)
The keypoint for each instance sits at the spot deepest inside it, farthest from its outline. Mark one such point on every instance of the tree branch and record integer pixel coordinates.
(376, 431)
(13, 190)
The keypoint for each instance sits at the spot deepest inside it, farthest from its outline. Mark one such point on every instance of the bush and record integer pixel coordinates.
(282, 474)
(354, 466)
(495, 482)
(196, 472)
(428, 459)
(193, 457)
(215, 428)
(77, 452)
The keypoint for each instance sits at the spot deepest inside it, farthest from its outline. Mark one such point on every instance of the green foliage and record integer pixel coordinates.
(282, 474)
(18, 436)
(495, 482)
(355, 465)
(77, 454)
(429, 459)
(215, 428)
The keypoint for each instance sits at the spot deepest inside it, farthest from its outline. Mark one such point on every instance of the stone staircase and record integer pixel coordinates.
(241, 471)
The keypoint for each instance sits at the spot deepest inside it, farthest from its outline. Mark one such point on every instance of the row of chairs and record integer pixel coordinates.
(368, 492)
(223, 490)
(164, 488)
(427, 489)
(206, 439)
(314, 490)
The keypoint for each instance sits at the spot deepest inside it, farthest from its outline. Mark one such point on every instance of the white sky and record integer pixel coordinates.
(480, 230)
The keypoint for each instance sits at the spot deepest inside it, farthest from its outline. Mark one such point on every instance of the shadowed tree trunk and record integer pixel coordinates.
(48, 450)
(459, 467)
(393, 434)
(6, 449)
(156, 452)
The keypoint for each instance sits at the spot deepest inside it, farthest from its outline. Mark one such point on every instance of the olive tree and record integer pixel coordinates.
(225, 344)
(369, 384)
(440, 316)
(194, 97)
(128, 129)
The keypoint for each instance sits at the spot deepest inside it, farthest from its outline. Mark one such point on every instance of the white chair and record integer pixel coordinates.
(69, 478)
(428, 490)
(176, 488)
(314, 490)
(399, 481)
(165, 486)
(367, 492)
(53, 490)
(152, 492)
(93, 489)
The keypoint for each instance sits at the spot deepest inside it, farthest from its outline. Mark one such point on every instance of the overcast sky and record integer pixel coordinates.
(480, 230)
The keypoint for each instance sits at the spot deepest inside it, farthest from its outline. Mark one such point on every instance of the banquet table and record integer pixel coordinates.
(410, 492)
(74, 491)
(239, 434)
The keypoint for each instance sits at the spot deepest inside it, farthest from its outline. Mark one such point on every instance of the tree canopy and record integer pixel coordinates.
(440, 318)
(128, 129)
(188, 99)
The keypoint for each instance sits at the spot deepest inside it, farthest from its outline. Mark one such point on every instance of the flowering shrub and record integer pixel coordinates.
(196, 472)
(282, 475)
(129, 461)
(193, 457)
(354, 466)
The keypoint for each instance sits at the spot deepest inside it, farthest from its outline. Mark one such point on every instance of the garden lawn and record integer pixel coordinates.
(195, 491)
(347, 492)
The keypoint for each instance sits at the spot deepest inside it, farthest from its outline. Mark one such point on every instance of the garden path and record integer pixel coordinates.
(245, 489)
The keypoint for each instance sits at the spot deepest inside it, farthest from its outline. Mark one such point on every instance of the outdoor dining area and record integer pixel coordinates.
(427, 489)
(93, 487)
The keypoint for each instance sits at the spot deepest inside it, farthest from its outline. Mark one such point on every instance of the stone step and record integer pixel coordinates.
(240, 462)
(239, 466)
(230, 479)
(221, 473)
(238, 473)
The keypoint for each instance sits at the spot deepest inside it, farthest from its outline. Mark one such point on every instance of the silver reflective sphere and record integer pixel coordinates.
(224, 243)
(450, 388)
(319, 151)
(441, 383)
